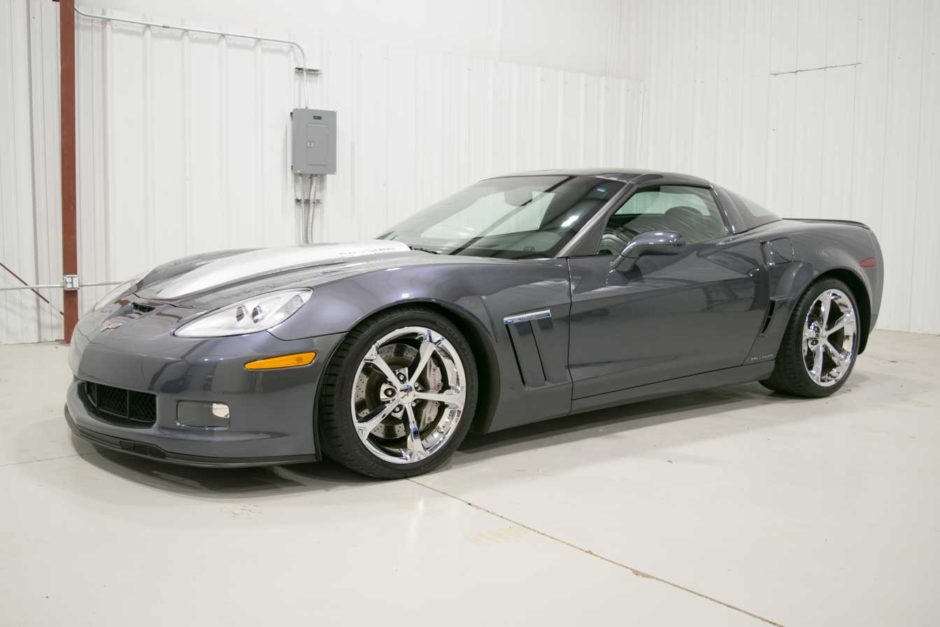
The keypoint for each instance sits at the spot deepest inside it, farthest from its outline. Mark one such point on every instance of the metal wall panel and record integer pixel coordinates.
(29, 169)
(816, 109)
(17, 247)
(414, 127)
(183, 142)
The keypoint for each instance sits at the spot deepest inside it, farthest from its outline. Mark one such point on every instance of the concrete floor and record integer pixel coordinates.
(724, 507)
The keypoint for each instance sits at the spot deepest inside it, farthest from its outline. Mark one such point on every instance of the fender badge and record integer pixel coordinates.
(111, 325)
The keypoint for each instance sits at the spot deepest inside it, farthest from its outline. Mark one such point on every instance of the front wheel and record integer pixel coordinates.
(399, 395)
(820, 344)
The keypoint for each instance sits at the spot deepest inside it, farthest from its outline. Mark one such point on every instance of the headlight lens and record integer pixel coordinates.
(248, 316)
(117, 292)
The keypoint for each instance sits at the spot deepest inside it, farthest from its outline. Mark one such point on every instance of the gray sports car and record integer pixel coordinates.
(518, 299)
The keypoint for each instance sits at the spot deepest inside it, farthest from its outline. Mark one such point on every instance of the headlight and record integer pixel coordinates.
(117, 292)
(248, 316)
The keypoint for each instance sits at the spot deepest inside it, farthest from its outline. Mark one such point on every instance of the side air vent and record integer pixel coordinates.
(524, 337)
(769, 317)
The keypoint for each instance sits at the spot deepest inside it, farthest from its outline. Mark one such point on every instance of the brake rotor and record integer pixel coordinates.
(372, 390)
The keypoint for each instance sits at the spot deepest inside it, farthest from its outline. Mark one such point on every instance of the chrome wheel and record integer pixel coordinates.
(408, 395)
(829, 337)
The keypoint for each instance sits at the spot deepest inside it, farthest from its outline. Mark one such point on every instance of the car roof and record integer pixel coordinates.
(619, 174)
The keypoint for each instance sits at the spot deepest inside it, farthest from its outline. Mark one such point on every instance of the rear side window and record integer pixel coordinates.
(751, 213)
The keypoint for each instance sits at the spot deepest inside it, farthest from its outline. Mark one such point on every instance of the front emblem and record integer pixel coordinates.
(111, 325)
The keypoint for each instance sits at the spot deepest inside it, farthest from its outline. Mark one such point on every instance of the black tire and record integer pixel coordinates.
(338, 436)
(790, 374)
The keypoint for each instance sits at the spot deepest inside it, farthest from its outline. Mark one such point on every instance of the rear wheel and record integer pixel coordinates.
(399, 395)
(820, 344)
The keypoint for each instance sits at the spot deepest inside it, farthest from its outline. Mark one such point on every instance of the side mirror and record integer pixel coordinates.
(652, 243)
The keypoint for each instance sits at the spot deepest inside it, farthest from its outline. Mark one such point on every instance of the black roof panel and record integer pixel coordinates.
(620, 174)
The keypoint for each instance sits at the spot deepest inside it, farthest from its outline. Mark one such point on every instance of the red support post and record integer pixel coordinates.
(67, 129)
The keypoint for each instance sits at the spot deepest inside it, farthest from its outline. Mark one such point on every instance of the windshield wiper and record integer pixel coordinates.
(425, 250)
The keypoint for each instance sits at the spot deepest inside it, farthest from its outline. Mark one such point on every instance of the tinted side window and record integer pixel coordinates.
(690, 211)
(753, 214)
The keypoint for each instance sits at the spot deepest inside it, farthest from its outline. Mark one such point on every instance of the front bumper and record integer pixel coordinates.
(272, 411)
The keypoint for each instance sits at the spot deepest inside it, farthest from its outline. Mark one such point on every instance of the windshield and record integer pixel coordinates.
(513, 217)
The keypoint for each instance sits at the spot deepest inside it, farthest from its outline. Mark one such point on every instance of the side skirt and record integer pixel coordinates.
(715, 378)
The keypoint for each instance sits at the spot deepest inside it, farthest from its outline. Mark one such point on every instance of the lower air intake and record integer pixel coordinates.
(120, 405)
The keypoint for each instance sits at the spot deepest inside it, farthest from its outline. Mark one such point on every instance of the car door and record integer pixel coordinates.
(668, 316)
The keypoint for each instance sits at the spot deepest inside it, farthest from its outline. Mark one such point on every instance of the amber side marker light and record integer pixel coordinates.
(284, 361)
(867, 263)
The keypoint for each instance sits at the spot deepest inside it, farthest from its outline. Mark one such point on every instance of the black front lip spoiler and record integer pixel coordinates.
(151, 451)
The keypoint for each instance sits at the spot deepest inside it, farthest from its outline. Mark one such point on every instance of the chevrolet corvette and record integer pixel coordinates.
(518, 299)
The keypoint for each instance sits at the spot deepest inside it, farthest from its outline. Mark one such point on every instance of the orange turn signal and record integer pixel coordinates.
(284, 361)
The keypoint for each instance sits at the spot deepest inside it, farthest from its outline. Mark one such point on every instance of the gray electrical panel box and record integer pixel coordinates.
(313, 141)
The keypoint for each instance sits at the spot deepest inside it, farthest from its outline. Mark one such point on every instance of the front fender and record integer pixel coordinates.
(482, 293)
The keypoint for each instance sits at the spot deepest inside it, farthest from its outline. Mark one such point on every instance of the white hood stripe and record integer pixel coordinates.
(266, 260)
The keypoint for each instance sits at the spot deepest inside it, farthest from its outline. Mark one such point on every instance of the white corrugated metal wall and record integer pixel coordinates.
(16, 227)
(30, 242)
(183, 140)
(814, 108)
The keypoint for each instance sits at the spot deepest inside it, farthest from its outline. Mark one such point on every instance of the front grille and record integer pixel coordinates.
(120, 405)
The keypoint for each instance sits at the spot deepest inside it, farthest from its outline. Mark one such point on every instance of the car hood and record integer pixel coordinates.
(215, 279)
